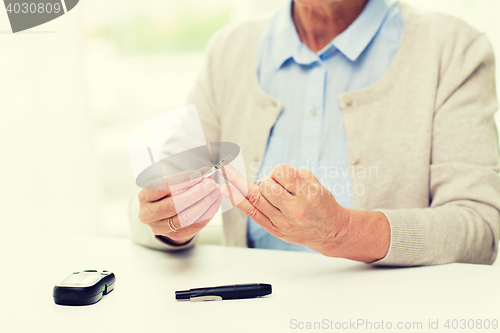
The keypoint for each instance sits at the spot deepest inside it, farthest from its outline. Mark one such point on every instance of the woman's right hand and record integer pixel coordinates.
(190, 200)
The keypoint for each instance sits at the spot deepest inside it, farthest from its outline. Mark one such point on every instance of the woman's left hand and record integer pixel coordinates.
(291, 204)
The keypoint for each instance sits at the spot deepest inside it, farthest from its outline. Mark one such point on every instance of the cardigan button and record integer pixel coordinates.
(348, 101)
(355, 160)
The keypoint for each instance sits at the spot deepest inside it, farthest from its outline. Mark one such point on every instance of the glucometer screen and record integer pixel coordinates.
(80, 280)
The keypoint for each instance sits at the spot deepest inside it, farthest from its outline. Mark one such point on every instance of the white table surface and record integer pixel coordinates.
(307, 287)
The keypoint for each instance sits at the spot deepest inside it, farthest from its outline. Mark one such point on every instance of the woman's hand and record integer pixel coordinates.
(188, 199)
(292, 205)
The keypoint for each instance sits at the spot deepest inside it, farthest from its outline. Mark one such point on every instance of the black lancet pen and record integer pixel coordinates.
(235, 291)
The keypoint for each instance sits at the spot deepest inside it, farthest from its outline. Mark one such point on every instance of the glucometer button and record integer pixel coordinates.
(69, 297)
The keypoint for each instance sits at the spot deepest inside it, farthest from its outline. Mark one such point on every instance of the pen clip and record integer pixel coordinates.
(205, 298)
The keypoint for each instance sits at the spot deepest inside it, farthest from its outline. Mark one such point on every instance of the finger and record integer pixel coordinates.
(184, 199)
(276, 194)
(151, 212)
(288, 177)
(202, 171)
(163, 187)
(211, 212)
(163, 229)
(191, 214)
(249, 191)
(250, 210)
(205, 169)
(177, 184)
(238, 180)
(172, 205)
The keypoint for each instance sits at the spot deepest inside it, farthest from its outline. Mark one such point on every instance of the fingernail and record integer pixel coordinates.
(224, 191)
(195, 177)
(209, 186)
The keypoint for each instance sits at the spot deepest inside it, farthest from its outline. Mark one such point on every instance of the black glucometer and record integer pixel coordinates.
(84, 287)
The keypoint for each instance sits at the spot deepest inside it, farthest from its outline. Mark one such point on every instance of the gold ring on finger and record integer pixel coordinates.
(171, 225)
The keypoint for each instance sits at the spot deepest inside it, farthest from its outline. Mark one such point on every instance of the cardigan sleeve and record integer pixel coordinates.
(462, 223)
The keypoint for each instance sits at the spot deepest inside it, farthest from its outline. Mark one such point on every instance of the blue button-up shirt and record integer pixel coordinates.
(309, 133)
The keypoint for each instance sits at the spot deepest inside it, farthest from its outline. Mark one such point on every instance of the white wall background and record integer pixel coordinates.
(68, 101)
(47, 174)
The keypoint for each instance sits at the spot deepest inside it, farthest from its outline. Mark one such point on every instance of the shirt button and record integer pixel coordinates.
(313, 112)
(317, 64)
(355, 160)
(348, 101)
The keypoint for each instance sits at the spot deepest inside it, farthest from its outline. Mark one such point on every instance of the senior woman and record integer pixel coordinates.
(369, 125)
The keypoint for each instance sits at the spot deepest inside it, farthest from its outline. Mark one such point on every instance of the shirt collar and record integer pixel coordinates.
(352, 42)
(285, 41)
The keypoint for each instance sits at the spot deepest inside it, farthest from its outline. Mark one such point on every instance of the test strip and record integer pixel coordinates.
(217, 166)
(213, 169)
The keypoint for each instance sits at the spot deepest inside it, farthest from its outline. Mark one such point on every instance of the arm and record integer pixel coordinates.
(462, 223)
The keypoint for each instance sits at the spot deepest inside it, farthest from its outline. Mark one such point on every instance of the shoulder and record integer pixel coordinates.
(451, 48)
(437, 27)
(445, 37)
